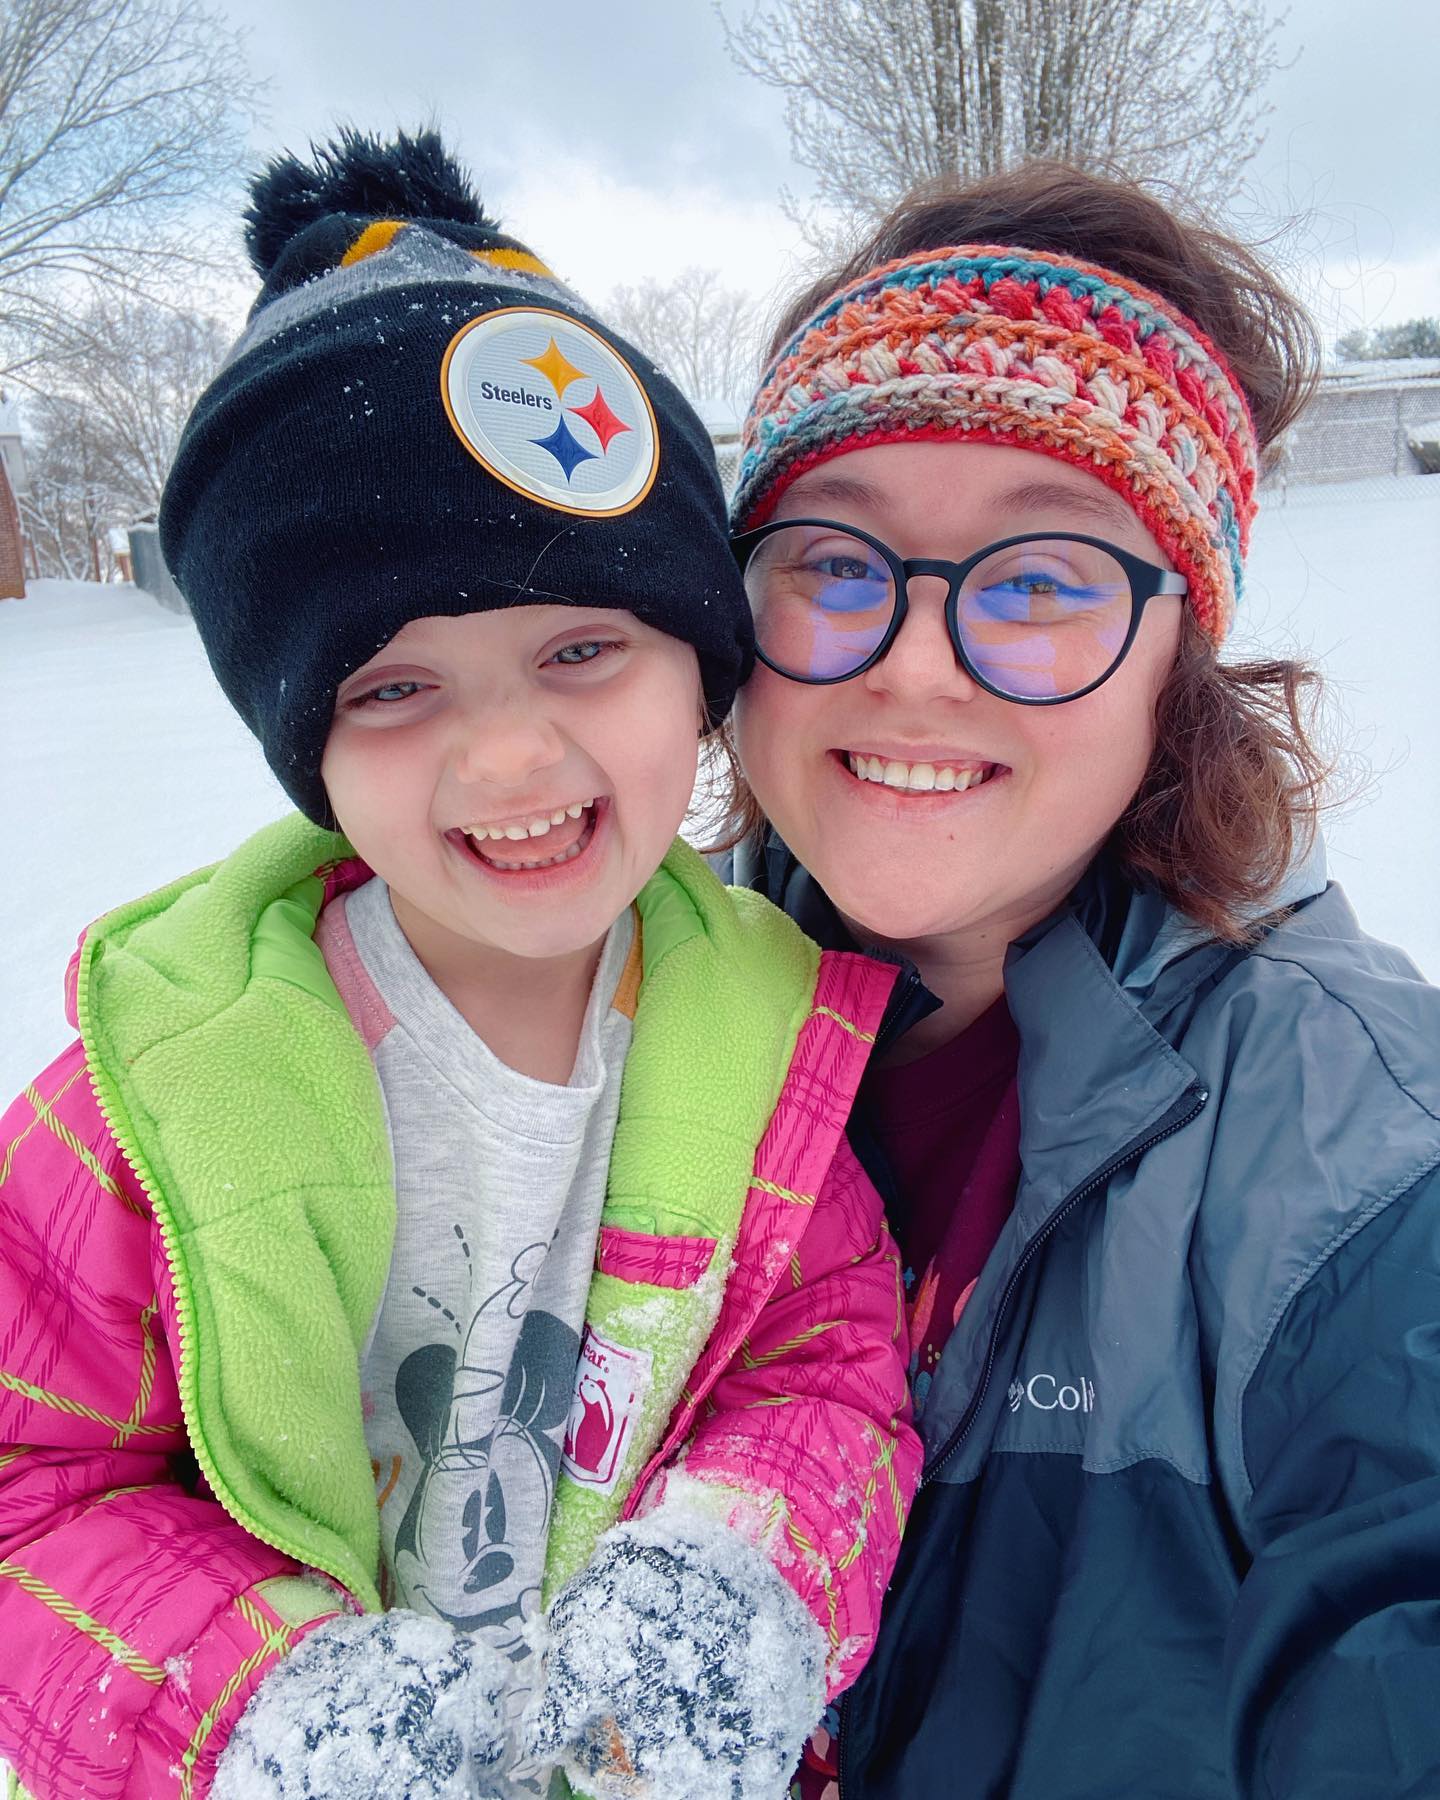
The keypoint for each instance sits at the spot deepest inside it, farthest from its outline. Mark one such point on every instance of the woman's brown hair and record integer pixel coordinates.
(1236, 777)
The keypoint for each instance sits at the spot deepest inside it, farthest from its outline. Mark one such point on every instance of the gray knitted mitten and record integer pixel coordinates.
(680, 1661)
(389, 1704)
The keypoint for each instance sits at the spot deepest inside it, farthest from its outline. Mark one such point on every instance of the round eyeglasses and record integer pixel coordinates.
(1036, 619)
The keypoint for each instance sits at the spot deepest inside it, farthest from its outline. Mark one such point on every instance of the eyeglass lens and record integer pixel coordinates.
(1039, 620)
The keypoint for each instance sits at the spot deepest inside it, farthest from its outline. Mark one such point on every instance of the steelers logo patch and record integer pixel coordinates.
(550, 409)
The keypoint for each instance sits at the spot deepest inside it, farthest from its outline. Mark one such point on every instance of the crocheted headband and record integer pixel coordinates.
(1010, 346)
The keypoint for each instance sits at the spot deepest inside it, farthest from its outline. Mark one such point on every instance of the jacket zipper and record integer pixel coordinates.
(1186, 1108)
(910, 1001)
(111, 1113)
(740, 1330)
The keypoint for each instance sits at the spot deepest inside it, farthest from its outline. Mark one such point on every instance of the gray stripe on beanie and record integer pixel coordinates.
(414, 255)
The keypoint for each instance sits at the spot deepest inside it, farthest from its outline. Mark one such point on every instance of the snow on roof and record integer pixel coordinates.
(1385, 372)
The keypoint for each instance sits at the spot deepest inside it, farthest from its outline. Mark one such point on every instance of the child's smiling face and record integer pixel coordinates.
(515, 776)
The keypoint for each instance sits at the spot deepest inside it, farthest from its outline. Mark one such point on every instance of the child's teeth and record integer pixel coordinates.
(532, 828)
(549, 862)
(483, 834)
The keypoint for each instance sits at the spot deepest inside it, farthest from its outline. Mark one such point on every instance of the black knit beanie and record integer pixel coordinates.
(420, 420)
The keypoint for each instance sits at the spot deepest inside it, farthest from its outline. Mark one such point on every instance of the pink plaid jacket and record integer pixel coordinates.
(137, 1616)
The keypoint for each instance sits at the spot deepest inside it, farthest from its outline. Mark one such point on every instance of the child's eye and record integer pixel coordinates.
(386, 695)
(587, 650)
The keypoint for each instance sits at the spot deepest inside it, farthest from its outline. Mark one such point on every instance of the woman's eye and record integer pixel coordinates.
(842, 581)
(845, 562)
(1031, 581)
(1039, 598)
(846, 568)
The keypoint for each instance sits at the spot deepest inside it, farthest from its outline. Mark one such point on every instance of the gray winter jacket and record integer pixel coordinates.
(1179, 1533)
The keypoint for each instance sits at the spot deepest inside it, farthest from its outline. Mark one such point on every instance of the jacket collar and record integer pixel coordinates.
(1107, 954)
(1095, 1075)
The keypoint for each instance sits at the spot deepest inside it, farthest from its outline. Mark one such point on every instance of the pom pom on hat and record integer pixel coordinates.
(411, 178)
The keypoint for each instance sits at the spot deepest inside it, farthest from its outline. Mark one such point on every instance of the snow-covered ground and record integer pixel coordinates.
(1350, 576)
(124, 766)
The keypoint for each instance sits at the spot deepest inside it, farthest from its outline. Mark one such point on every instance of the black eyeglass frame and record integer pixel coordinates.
(1145, 579)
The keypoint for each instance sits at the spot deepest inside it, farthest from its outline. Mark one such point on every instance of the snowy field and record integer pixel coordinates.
(124, 767)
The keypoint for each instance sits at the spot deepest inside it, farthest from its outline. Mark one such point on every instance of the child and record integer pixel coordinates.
(485, 1162)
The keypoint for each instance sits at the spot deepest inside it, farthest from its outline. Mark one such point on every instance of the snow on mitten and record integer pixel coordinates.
(390, 1703)
(679, 1661)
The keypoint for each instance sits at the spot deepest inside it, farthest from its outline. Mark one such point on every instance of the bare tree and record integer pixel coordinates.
(116, 118)
(880, 94)
(136, 369)
(103, 433)
(71, 501)
(1415, 337)
(703, 334)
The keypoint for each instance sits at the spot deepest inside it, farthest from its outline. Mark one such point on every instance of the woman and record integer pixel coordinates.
(1159, 1125)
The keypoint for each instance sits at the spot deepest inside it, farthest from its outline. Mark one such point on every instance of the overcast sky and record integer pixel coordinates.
(618, 139)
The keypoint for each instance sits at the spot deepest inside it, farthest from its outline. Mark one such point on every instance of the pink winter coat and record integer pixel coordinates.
(138, 1614)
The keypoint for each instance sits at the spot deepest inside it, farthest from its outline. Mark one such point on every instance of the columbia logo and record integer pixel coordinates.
(1047, 1393)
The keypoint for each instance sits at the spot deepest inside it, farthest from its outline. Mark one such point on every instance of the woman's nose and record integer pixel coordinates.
(921, 663)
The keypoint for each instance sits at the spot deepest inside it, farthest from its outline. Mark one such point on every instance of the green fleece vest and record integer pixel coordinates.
(230, 1073)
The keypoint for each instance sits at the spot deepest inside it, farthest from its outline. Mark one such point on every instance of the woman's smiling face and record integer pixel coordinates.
(1046, 784)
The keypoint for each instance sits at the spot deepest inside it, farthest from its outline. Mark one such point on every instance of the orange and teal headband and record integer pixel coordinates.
(991, 343)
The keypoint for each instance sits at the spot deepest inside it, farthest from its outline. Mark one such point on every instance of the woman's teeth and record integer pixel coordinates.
(528, 828)
(917, 777)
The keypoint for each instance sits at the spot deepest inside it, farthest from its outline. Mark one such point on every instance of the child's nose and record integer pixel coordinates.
(506, 745)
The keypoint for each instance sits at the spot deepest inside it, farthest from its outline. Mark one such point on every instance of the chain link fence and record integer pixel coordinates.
(1368, 424)
(727, 455)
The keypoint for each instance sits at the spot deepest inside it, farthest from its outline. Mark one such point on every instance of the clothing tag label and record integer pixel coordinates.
(552, 410)
(610, 1384)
